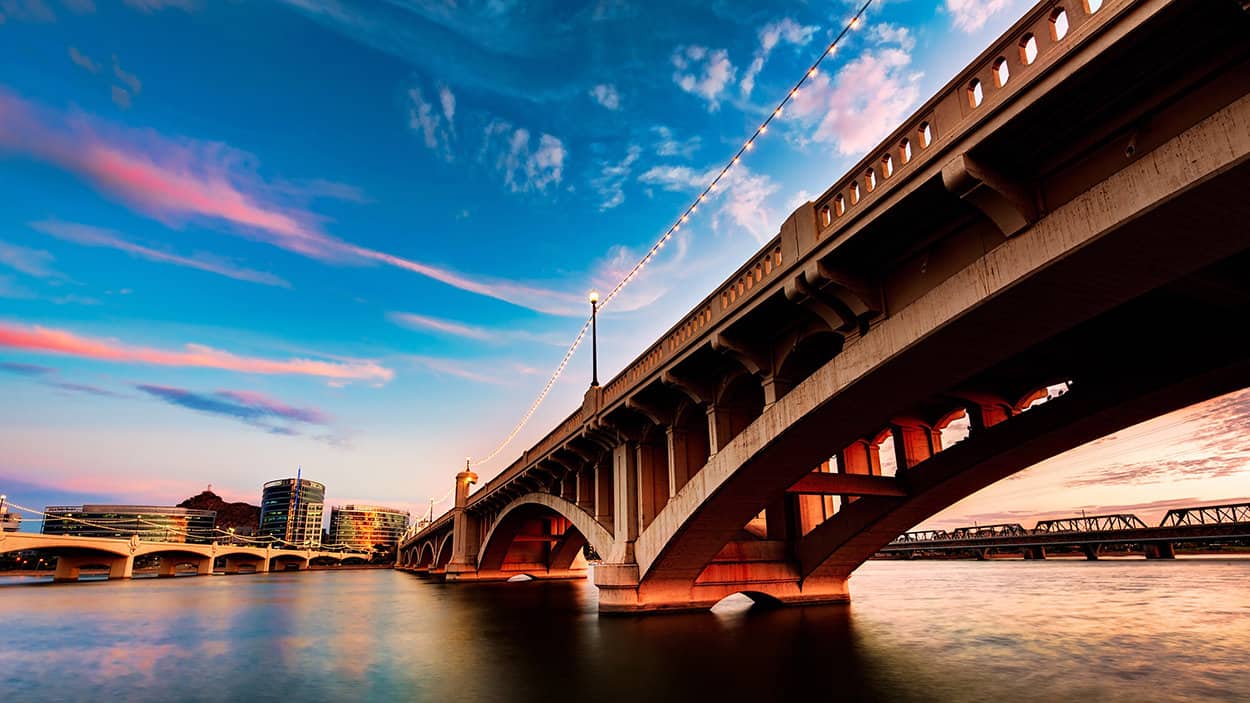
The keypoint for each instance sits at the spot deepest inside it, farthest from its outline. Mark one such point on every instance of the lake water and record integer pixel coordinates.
(916, 631)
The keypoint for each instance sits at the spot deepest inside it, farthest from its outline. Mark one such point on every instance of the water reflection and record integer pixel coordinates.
(1023, 631)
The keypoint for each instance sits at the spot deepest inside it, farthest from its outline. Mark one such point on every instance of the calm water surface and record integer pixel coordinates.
(917, 631)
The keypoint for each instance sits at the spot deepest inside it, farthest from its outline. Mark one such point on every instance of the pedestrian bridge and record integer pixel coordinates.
(1052, 248)
(75, 554)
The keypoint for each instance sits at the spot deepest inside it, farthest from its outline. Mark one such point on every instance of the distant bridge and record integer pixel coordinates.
(1070, 209)
(75, 554)
(1206, 524)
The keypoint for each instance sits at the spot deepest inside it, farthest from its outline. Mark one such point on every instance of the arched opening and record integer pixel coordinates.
(532, 539)
(975, 93)
(691, 444)
(1028, 49)
(443, 555)
(807, 355)
(1058, 24)
(953, 428)
(882, 454)
(743, 601)
(1039, 396)
(425, 557)
(739, 403)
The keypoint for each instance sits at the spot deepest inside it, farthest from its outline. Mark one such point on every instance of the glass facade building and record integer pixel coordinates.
(292, 509)
(366, 526)
(153, 523)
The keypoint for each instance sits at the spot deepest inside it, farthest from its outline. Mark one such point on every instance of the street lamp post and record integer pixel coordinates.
(594, 338)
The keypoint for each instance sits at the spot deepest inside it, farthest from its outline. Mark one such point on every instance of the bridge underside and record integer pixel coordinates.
(1092, 239)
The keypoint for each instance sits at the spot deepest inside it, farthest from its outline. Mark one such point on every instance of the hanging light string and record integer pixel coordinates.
(673, 229)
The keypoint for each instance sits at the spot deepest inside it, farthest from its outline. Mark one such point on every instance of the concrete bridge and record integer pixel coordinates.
(1069, 212)
(75, 554)
(1205, 524)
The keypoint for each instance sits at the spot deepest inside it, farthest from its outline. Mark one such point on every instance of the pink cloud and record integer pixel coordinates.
(52, 341)
(98, 237)
(177, 180)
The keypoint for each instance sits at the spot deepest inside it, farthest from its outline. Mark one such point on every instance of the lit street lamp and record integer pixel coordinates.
(594, 338)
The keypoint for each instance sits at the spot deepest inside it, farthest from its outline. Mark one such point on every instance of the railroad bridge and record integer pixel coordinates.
(1202, 524)
(1069, 212)
(117, 556)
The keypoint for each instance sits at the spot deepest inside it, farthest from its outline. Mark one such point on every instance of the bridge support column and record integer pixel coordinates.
(604, 483)
(1034, 552)
(463, 563)
(586, 489)
(1091, 551)
(625, 498)
(653, 493)
(122, 567)
(1160, 550)
(620, 590)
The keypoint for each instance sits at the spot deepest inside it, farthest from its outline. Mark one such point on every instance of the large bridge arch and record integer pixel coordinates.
(1015, 304)
(558, 552)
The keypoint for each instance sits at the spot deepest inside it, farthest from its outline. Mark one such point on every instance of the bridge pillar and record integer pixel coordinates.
(586, 489)
(774, 388)
(1160, 550)
(605, 512)
(122, 567)
(464, 531)
(653, 470)
(1091, 551)
(625, 502)
(1034, 552)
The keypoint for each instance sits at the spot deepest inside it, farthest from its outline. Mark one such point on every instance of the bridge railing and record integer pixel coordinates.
(978, 531)
(1091, 523)
(1030, 50)
(1207, 515)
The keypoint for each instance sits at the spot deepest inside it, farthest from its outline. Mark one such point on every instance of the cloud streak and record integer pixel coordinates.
(65, 343)
(178, 180)
(248, 407)
(87, 235)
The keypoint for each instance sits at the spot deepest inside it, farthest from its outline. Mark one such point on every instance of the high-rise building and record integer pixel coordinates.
(366, 526)
(291, 509)
(153, 523)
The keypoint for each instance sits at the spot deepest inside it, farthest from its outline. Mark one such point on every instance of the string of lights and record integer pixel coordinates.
(673, 229)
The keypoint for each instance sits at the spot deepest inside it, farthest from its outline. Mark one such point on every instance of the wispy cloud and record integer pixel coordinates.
(703, 72)
(28, 370)
(438, 325)
(87, 235)
(435, 125)
(667, 145)
(49, 376)
(448, 367)
(971, 15)
(130, 86)
(32, 262)
(26, 11)
(434, 324)
(771, 34)
(83, 60)
(606, 95)
(868, 97)
(524, 165)
(612, 177)
(742, 194)
(176, 180)
(157, 5)
(249, 407)
(62, 342)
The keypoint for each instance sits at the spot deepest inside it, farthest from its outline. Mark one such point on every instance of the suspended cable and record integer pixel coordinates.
(673, 229)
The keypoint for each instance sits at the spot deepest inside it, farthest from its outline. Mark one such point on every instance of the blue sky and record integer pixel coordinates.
(243, 236)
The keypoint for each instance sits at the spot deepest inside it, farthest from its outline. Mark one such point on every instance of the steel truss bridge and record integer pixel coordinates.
(1205, 524)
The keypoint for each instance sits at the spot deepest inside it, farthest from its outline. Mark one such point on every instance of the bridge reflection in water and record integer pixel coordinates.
(1075, 219)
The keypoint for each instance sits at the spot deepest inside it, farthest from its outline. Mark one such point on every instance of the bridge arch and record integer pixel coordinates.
(442, 554)
(559, 551)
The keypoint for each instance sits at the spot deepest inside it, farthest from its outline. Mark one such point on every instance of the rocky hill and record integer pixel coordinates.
(244, 518)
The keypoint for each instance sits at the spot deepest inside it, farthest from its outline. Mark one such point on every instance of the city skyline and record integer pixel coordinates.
(198, 286)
